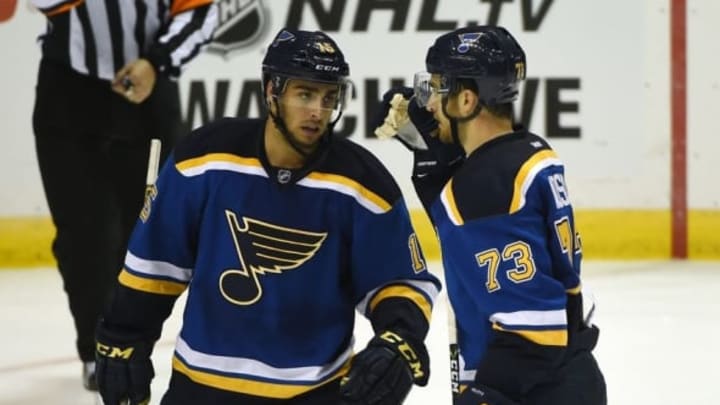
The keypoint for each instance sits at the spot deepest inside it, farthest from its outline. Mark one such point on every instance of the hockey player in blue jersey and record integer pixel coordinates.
(499, 201)
(278, 232)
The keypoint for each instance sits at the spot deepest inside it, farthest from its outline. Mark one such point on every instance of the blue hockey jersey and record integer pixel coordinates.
(275, 261)
(510, 251)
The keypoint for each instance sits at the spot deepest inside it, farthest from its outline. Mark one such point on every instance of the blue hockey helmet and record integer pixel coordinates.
(487, 55)
(307, 55)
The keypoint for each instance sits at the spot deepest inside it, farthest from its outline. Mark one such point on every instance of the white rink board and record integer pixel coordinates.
(613, 54)
(647, 312)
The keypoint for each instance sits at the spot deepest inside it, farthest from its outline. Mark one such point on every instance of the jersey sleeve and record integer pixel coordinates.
(191, 27)
(161, 253)
(390, 277)
(564, 241)
(430, 174)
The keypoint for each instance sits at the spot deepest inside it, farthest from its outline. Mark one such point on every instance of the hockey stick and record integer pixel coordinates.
(153, 162)
(454, 353)
(150, 177)
(150, 192)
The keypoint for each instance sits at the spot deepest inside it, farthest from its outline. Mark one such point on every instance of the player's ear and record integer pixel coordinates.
(269, 96)
(467, 101)
(268, 92)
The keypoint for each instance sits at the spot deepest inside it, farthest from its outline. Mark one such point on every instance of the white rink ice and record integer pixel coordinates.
(659, 341)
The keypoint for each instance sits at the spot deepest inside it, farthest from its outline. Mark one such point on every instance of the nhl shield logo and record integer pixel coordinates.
(284, 176)
(241, 23)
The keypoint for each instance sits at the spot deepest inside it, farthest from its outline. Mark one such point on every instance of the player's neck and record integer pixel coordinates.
(479, 131)
(279, 151)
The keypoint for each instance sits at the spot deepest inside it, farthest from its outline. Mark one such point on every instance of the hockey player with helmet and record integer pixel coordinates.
(279, 232)
(497, 196)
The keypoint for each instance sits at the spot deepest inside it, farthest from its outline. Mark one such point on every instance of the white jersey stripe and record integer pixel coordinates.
(196, 170)
(223, 165)
(537, 168)
(157, 268)
(427, 287)
(254, 368)
(556, 317)
(343, 189)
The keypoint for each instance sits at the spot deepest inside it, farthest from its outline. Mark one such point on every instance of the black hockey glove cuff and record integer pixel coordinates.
(479, 394)
(123, 367)
(422, 119)
(399, 116)
(438, 154)
(384, 372)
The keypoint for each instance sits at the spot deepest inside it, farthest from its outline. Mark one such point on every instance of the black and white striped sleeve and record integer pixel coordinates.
(189, 30)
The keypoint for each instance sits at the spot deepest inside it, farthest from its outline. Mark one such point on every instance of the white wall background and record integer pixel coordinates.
(618, 49)
(703, 103)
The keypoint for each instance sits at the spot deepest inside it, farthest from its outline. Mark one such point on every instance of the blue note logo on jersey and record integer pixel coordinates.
(264, 248)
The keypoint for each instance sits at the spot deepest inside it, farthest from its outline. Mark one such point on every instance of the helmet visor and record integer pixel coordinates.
(315, 95)
(426, 86)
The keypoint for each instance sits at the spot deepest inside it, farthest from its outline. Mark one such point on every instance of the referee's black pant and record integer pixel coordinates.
(92, 149)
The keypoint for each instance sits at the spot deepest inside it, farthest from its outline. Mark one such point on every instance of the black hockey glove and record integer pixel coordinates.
(124, 370)
(481, 395)
(394, 119)
(384, 372)
(401, 117)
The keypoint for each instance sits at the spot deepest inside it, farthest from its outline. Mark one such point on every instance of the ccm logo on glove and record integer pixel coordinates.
(407, 352)
(114, 352)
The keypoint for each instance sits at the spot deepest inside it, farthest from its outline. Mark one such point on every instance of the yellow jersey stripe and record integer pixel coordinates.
(347, 182)
(251, 387)
(154, 286)
(525, 175)
(404, 292)
(217, 157)
(450, 206)
(227, 161)
(556, 337)
(574, 291)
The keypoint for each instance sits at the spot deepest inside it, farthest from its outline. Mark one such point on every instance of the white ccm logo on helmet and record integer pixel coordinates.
(327, 68)
(325, 47)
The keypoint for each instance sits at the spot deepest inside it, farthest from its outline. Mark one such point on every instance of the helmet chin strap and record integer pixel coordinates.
(280, 124)
(454, 121)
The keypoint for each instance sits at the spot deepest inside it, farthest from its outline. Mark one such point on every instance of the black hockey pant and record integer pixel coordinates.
(578, 382)
(92, 149)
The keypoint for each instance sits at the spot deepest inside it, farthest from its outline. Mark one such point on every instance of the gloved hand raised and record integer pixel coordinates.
(123, 367)
(384, 372)
(401, 117)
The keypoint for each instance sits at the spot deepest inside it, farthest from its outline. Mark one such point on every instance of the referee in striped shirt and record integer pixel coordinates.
(106, 86)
